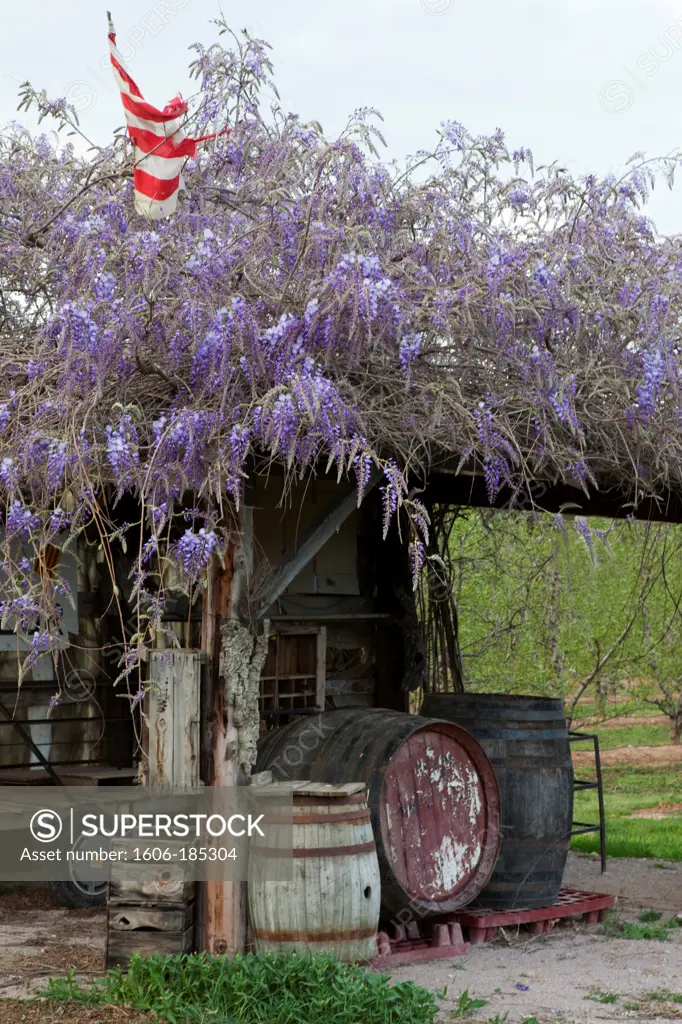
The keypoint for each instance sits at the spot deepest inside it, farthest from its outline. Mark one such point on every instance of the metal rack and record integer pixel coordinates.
(581, 827)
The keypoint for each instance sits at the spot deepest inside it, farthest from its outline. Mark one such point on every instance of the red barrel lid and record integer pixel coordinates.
(439, 813)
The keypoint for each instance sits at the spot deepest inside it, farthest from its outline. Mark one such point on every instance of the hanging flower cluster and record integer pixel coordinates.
(312, 305)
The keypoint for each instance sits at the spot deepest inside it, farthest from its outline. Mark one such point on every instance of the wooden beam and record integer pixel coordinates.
(174, 718)
(221, 928)
(216, 602)
(444, 486)
(225, 902)
(322, 531)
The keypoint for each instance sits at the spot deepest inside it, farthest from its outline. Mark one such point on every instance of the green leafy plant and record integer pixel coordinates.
(466, 1006)
(664, 995)
(631, 1006)
(659, 930)
(603, 997)
(254, 989)
(647, 916)
(499, 1018)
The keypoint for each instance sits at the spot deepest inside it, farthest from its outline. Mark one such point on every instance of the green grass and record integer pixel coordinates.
(664, 995)
(628, 789)
(254, 989)
(627, 736)
(603, 997)
(661, 930)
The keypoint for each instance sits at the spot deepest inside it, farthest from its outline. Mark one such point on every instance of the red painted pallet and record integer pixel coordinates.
(407, 944)
(482, 924)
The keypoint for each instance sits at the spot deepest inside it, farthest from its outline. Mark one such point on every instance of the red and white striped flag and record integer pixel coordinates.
(160, 145)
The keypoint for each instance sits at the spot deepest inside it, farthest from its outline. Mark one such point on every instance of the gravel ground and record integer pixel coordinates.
(637, 883)
(559, 971)
(563, 969)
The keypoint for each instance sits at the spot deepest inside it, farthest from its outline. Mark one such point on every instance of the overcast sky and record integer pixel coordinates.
(585, 82)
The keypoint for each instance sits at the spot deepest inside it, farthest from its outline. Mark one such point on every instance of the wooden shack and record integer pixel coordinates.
(330, 617)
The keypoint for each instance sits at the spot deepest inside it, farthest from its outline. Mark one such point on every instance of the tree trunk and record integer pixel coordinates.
(676, 728)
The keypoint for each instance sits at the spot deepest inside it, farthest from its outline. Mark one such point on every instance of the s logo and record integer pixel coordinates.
(46, 826)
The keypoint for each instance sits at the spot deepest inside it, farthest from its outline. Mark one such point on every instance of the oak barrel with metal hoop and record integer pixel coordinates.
(526, 739)
(332, 901)
(433, 798)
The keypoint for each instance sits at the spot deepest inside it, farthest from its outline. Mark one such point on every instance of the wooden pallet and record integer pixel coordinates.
(481, 924)
(408, 944)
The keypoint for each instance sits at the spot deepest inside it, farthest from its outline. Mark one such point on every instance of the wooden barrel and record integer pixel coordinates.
(332, 901)
(526, 738)
(433, 798)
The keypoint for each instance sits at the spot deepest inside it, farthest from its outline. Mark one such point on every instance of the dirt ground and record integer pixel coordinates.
(39, 939)
(622, 720)
(659, 812)
(15, 1012)
(667, 754)
(561, 970)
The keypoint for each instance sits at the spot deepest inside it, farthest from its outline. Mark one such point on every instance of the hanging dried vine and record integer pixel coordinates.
(437, 607)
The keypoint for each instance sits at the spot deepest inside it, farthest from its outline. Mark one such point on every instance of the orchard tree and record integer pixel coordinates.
(551, 608)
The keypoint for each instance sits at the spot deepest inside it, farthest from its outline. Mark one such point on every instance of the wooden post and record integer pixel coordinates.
(222, 905)
(173, 709)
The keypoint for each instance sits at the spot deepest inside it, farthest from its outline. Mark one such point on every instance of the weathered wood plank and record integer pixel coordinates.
(121, 918)
(122, 945)
(150, 882)
(174, 718)
(321, 666)
(222, 905)
(142, 891)
(295, 560)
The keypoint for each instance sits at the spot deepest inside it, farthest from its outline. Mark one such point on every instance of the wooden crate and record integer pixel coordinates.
(148, 930)
(151, 882)
(294, 672)
(139, 892)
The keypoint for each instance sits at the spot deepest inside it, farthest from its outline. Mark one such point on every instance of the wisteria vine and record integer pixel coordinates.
(314, 305)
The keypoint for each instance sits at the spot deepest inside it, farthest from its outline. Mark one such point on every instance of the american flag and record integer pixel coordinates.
(160, 145)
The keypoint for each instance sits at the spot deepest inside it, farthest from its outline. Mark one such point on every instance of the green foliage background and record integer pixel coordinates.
(547, 604)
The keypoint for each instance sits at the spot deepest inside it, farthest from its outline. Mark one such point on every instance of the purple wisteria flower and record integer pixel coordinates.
(8, 473)
(654, 372)
(410, 347)
(519, 196)
(105, 285)
(194, 551)
(417, 559)
(122, 450)
(311, 305)
(21, 521)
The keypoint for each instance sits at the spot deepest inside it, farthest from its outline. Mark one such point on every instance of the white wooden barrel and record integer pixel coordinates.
(332, 902)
